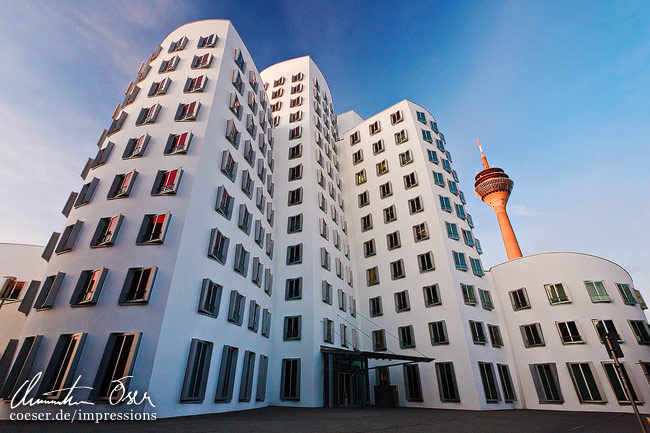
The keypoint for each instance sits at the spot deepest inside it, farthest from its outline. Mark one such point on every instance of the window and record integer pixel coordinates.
(556, 294)
(376, 308)
(227, 371)
(569, 332)
(401, 137)
(626, 293)
(378, 147)
(369, 248)
(420, 232)
(486, 299)
(295, 196)
(48, 292)
(327, 292)
(495, 335)
(478, 332)
(640, 330)
(342, 300)
(196, 372)
(397, 269)
(225, 202)
(372, 276)
(240, 264)
(343, 334)
(248, 370)
(294, 224)
(585, 382)
(396, 117)
(153, 229)
(439, 179)
(445, 204)
(447, 385)
(277, 93)
(207, 41)
(107, 231)
(532, 335)
(506, 383)
(210, 298)
(385, 190)
(432, 295)
(364, 199)
(355, 137)
(294, 254)
(468, 238)
(196, 84)
(382, 167)
(11, 289)
(360, 177)
(88, 287)
(247, 183)
(236, 308)
(406, 337)
(393, 240)
(616, 382)
(245, 219)
(178, 143)
(218, 248)
(597, 292)
(425, 261)
(295, 102)
(296, 89)
(68, 238)
(232, 134)
(460, 261)
(469, 297)
(116, 367)
(60, 371)
(328, 331)
(415, 205)
(489, 380)
(519, 299)
(374, 127)
(426, 136)
(323, 230)
(460, 211)
(148, 115)
(178, 45)
(295, 133)
(446, 166)
(135, 147)
(167, 181)
(169, 65)
(325, 259)
(290, 388)
(379, 340)
(295, 151)
(438, 333)
(546, 383)
(295, 172)
(412, 382)
(402, 301)
(452, 230)
(292, 328)
(298, 77)
(477, 267)
(410, 181)
(604, 327)
(138, 285)
(390, 214)
(293, 289)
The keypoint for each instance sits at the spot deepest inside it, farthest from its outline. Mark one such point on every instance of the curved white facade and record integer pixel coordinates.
(236, 245)
(572, 270)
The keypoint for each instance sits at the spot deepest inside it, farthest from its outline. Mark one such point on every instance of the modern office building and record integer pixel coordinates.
(234, 244)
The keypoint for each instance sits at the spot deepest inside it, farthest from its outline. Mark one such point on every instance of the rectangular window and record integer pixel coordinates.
(495, 335)
(489, 380)
(616, 382)
(369, 248)
(153, 228)
(532, 335)
(294, 254)
(236, 308)
(393, 240)
(401, 137)
(293, 289)
(207, 41)
(406, 337)
(460, 211)
(374, 127)
(379, 340)
(597, 291)
(626, 293)
(410, 180)
(452, 230)
(426, 136)
(438, 333)
(88, 287)
(290, 388)
(640, 330)
(138, 285)
(378, 147)
(107, 231)
(469, 297)
(460, 261)
(225, 202)
(425, 262)
(385, 190)
(586, 383)
(468, 238)
(445, 204)
(556, 294)
(433, 157)
(196, 372)
(60, 372)
(382, 167)
(569, 332)
(266, 323)
(402, 301)
(397, 269)
(376, 308)
(390, 214)
(519, 299)
(364, 199)
(136, 147)
(604, 327)
(431, 295)
(412, 382)
(210, 298)
(292, 328)
(327, 292)
(486, 299)
(546, 383)
(420, 232)
(447, 385)
(116, 367)
(196, 84)
(506, 383)
(478, 332)
(372, 276)
(328, 331)
(68, 237)
(227, 371)
(415, 205)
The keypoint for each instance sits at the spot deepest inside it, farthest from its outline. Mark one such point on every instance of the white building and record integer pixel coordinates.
(236, 245)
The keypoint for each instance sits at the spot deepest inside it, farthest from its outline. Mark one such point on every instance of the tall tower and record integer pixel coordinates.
(493, 187)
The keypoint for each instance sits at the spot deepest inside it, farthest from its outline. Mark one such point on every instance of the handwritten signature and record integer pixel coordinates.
(118, 394)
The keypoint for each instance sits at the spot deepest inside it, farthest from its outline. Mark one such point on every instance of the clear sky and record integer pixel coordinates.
(557, 91)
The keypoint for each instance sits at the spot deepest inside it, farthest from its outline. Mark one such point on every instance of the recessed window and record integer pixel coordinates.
(218, 248)
(107, 231)
(136, 147)
(426, 135)
(401, 137)
(604, 327)
(378, 147)
(439, 179)
(445, 204)
(486, 299)
(294, 224)
(460, 261)
(227, 371)
(376, 308)
(293, 289)
(88, 287)
(425, 262)
(597, 291)
(616, 381)
(468, 238)
(364, 199)
(292, 328)
(393, 240)
(431, 295)
(556, 294)
(460, 210)
(406, 337)
(167, 182)
(396, 117)
(452, 230)
(138, 285)
(402, 302)
(397, 269)
(382, 167)
(412, 382)
(153, 228)
(169, 65)
(372, 276)
(433, 156)
(438, 333)
(390, 214)
(207, 41)
(148, 115)
(420, 232)
(478, 332)
(495, 336)
(469, 296)
(489, 380)
(626, 293)
(585, 381)
(355, 137)
(410, 180)
(369, 248)
(547, 383)
(519, 299)
(374, 127)
(477, 267)
(240, 264)
(360, 177)
(196, 372)
(210, 300)
(532, 335)
(295, 196)
(379, 340)
(294, 254)
(225, 202)
(640, 330)
(415, 205)
(569, 332)
(114, 375)
(447, 385)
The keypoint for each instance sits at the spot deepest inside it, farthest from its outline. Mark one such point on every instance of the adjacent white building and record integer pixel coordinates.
(235, 244)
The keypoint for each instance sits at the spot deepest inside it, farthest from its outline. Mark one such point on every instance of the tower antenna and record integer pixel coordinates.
(483, 158)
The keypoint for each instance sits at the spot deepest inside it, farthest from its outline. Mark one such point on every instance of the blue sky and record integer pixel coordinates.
(558, 93)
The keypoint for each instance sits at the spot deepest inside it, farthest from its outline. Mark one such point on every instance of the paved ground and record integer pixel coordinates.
(290, 420)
